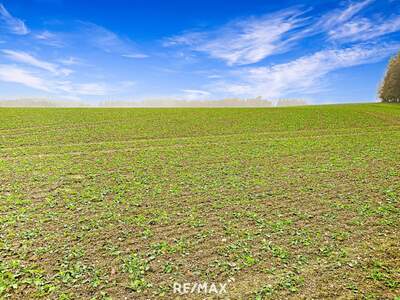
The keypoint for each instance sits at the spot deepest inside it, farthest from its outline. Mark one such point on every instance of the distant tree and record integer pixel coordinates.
(291, 102)
(390, 88)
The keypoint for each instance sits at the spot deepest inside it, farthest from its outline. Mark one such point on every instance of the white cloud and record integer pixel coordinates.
(108, 41)
(15, 74)
(214, 76)
(127, 83)
(103, 38)
(13, 24)
(91, 89)
(70, 61)
(247, 41)
(135, 55)
(200, 92)
(340, 16)
(189, 39)
(190, 95)
(44, 35)
(251, 40)
(49, 38)
(26, 58)
(363, 29)
(302, 75)
(88, 89)
(10, 73)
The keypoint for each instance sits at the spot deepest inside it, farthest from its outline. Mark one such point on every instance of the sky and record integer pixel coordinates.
(326, 51)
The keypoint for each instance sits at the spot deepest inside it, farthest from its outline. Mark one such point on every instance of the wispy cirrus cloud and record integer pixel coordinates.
(108, 41)
(88, 34)
(340, 16)
(14, 74)
(135, 55)
(363, 29)
(345, 25)
(26, 58)
(70, 61)
(189, 94)
(53, 85)
(49, 38)
(251, 40)
(44, 75)
(102, 38)
(88, 89)
(302, 75)
(37, 81)
(11, 23)
(245, 41)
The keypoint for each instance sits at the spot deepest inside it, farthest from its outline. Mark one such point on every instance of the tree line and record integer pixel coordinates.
(390, 88)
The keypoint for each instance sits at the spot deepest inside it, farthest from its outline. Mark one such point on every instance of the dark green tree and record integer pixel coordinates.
(390, 88)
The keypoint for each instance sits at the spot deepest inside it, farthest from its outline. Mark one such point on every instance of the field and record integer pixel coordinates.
(300, 202)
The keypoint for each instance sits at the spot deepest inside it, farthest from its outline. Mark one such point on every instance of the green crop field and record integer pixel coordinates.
(278, 203)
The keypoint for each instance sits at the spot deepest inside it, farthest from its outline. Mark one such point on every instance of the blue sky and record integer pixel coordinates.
(320, 51)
